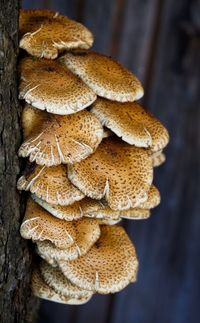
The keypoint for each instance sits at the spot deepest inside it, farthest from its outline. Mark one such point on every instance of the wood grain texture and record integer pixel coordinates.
(160, 41)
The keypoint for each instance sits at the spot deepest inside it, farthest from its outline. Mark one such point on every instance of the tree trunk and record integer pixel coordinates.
(16, 302)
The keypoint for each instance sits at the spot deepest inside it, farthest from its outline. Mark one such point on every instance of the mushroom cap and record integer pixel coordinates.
(158, 158)
(118, 171)
(45, 33)
(50, 184)
(54, 278)
(105, 76)
(153, 199)
(31, 119)
(42, 290)
(109, 266)
(87, 233)
(49, 85)
(39, 225)
(63, 139)
(132, 123)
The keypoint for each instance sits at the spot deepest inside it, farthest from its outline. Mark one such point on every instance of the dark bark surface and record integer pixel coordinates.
(16, 303)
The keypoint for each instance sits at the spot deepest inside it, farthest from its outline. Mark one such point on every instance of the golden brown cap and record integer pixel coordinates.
(42, 290)
(63, 139)
(39, 225)
(109, 266)
(105, 76)
(48, 85)
(54, 278)
(132, 123)
(153, 199)
(50, 184)
(118, 171)
(31, 119)
(158, 158)
(87, 233)
(45, 33)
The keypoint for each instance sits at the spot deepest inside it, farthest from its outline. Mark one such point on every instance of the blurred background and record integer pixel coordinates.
(159, 40)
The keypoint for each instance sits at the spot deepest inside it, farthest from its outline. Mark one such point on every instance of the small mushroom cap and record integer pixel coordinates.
(158, 158)
(87, 233)
(39, 225)
(153, 199)
(132, 123)
(42, 290)
(48, 85)
(118, 171)
(54, 278)
(109, 266)
(105, 76)
(45, 33)
(63, 139)
(50, 184)
(31, 119)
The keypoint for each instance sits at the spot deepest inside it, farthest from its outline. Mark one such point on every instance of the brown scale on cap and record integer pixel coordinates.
(50, 184)
(42, 290)
(61, 139)
(87, 233)
(39, 225)
(109, 266)
(118, 171)
(54, 278)
(132, 123)
(45, 33)
(105, 76)
(158, 158)
(48, 85)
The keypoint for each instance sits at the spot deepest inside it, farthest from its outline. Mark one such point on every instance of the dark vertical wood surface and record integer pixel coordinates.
(159, 40)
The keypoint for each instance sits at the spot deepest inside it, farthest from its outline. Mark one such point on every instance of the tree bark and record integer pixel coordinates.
(16, 302)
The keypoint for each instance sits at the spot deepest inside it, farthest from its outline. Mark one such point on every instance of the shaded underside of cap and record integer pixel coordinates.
(44, 33)
(106, 77)
(109, 266)
(39, 225)
(54, 278)
(118, 171)
(50, 184)
(132, 123)
(42, 290)
(49, 85)
(63, 139)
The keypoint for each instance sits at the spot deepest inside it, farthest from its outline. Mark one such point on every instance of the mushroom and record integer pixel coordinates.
(45, 33)
(117, 171)
(48, 85)
(87, 233)
(62, 139)
(109, 266)
(54, 278)
(158, 158)
(132, 123)
(39, 225)
(42, 290)
(106, 77)
(50, 184)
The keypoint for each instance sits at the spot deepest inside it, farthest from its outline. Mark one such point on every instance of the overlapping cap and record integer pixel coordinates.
(48, 85)
(132, 123)
(62, 139)
(45, 33)
(158, 158)
(50, 184)
(109, 266)
(106, 77)
(117, 171)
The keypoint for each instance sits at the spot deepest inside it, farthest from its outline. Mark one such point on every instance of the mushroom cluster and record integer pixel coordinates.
(91, 150)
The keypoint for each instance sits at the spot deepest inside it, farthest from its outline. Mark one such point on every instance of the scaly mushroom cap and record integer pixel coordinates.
(118, 171)
(42, 290)
(54, 278)
(63, 139)
(109, 266)
(132, 123)
(50, 184)
(153, 199)
(106, 77)
(87, 233)
(48, 85)
(39, 225)
(31, 119)
(45, 33)
(158, 158)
